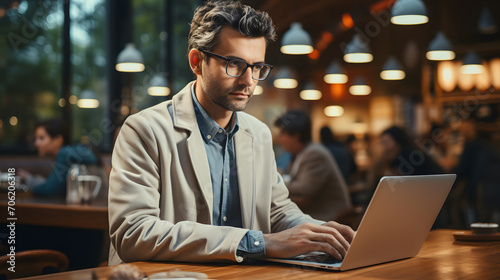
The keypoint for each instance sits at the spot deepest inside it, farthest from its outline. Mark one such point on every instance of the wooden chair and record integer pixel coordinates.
(33, 262)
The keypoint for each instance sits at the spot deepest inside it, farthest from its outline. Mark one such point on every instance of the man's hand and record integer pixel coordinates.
(23, 174)
(331, 237)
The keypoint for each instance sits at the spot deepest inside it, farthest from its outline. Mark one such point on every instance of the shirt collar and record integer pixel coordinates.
(208, 127)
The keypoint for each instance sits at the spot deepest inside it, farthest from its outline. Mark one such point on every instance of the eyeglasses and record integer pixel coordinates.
(236, 67)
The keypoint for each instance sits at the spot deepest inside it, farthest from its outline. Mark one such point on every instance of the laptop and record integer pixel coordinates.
(394, 226)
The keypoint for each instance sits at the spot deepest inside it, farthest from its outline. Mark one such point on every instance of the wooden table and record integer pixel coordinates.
(441, 257)
(54, 211)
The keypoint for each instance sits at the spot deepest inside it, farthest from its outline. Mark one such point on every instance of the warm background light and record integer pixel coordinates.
(447, 75)
(392, 75)
(310, 94)
(285, 83)
(61, 102)
(130, 67)
(472, 69)
(440, 55)
(258, 90)
(73, 99)
(360, 90)
(334, 111)
(158, 91)
(409, 19)
(358, 57)
(335, 78)
(495, 73)
(87, 103)
(13, 120)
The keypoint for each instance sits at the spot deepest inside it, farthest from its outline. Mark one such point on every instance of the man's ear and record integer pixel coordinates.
(195, 59)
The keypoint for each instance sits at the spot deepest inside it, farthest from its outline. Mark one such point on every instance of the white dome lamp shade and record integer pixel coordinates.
(284, 79)
(472, 64)
(335, 74)
(360, 87)
(357, 51)
(392, 70)
(87, 100)
(158, 86)
(130, 60)
(440, 48)
(409, 12)
(310, 92)
(296, 41)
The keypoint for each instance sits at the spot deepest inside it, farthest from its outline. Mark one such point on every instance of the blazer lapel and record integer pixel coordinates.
(198, 156)
(185, 118)
(246, 174)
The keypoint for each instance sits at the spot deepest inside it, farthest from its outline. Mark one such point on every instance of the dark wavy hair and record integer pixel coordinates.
(55, 127)
(211, 17)
(295, 123)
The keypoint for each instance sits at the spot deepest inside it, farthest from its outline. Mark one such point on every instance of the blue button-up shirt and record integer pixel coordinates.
(219, 146)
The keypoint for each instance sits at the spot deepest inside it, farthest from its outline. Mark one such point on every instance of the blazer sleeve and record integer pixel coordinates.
(137, 232)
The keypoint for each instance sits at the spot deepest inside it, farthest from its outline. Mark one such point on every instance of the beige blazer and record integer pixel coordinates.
(316, 180)
(160, 194)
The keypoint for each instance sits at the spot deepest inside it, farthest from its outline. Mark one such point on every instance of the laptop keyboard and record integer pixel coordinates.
(317, 257)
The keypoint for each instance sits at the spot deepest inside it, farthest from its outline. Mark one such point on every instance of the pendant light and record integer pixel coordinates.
(158, 86)
(130, 60)
(486, 24)
(357, 51)
(87, 100)
(284, 79)
(334, 111)
(310, 92)
(392, 70)
(335, 74)
(296, 40)
(472, 64)
(440, 48)
(360, 87)
(409, 12)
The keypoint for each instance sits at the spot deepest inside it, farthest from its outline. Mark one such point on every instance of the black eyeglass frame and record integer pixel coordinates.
(227, 59)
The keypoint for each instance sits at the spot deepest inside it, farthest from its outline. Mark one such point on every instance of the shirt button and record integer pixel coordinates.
(225, 179)
(220, 130)
(224, 218)
(209, 136)
(256, 243)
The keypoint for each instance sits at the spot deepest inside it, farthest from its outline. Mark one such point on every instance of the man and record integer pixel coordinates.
(313, 177)
(195, 180)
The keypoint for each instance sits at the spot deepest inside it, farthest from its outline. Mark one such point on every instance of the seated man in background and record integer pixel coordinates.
(52, 141)
(195, 180)
(313, 177)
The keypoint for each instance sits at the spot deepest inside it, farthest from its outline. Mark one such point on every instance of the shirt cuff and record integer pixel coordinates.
(252, 245)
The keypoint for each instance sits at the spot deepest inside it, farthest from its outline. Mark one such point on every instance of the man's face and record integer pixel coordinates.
(226, 92)
(46, 145)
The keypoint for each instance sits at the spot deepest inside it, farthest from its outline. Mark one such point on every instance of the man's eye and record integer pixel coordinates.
(258, 67)
(234, 63)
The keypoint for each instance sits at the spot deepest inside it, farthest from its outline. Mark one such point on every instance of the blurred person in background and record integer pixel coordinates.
(402, 157)
(438, 146)
(52, 141)
(477, 189)
(313, 177)
(340, 153)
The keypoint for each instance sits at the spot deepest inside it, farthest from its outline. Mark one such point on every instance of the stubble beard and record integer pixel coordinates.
(220, 96)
